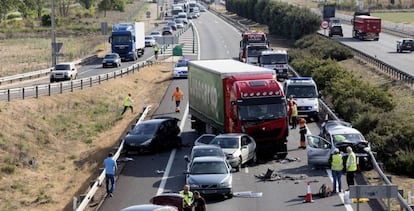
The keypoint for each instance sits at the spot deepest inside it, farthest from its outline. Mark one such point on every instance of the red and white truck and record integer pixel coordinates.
(251, 38)
(366, 27)
(227, 96)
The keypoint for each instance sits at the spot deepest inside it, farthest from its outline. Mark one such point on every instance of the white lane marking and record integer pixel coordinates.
(246, 170)
(172, 155)
(198, 42)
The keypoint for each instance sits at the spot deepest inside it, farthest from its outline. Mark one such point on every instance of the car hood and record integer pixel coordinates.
(137, 139)
(229, 151)
(207, 178)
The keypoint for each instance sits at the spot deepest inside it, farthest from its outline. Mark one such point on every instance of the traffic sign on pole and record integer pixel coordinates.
(324, 24)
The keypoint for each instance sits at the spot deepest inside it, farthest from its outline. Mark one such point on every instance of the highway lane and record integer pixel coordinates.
(385, 49)
(140, 180)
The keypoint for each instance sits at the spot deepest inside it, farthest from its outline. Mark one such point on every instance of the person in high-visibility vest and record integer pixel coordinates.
(351, 167)
(188, 198)
(177, 96)
(302, 132)
(156, 49)
(294, 116)
(337, 166)
(291, 102)
(128, 104)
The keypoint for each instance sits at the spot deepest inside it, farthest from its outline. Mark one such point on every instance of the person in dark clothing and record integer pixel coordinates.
(199, 202)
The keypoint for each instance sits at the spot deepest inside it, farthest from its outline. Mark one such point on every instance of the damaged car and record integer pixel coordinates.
(338, 134)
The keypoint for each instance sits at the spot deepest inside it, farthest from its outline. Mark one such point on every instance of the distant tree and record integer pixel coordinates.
(5, 7)
(25, 7)
(105, 5)
(63, 6)
(87, 3)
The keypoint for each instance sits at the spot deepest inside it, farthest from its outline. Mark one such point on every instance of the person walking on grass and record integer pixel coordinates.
(110, 170)
(128, 104)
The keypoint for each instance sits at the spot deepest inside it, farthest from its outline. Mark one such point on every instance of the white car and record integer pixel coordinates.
(149, 41)
(181, 68)
(156, 34)
(204, 139)
(63, 71)
(239, 148)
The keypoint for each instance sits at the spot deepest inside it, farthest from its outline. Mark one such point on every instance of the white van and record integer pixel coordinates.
(183, 16)
(306, 95)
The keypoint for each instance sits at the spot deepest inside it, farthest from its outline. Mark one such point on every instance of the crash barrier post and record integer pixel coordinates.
(95, 185)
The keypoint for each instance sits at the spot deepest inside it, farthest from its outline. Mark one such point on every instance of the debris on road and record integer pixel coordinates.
(270, 176)
(160, 172)
(248, 194)
(288, 160)
(125, 159)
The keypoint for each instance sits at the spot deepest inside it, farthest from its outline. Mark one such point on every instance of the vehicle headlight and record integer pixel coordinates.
(147, 142)
(226, 183)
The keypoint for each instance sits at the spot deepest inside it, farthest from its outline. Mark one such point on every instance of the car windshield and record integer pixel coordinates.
(121, 38)
(262, 112)
(274, 59)
(205, 139)
(355, 138)
(144, 129)
(215, 152)
(62, 67)
(155, 33)
(208, 168)
(166, 28)
(182, 63)
(226, 142)
(302, 91)
(255, 50)
(149, 38)
(110, 56)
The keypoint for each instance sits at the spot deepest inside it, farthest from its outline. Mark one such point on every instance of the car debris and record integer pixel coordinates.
(270, 176)
(248, 194)
(125, 159)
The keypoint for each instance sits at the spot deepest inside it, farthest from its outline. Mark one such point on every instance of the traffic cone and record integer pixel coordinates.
(308, 194)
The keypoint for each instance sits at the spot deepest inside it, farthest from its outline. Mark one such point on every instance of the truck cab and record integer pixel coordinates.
(335, 27)
(276, 60)
(305, 93)
(253, 51)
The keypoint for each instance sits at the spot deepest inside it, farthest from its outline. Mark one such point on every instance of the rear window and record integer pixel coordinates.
(62, 67)
(408, 41)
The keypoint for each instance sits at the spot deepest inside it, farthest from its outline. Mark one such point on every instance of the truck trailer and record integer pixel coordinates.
(227, 96)
(128, 40)
(366, 27)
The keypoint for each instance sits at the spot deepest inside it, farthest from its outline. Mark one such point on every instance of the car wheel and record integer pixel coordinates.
(254, 159)
(229, 195)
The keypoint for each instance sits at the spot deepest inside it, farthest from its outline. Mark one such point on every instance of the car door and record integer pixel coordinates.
(318, 150)
(244, 147)
(251, 146)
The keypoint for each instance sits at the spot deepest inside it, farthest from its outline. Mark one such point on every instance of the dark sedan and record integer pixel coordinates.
(111, 60)
(153, 135)
(167, 30)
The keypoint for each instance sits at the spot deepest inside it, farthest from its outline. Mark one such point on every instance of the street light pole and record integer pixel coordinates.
(53, 32)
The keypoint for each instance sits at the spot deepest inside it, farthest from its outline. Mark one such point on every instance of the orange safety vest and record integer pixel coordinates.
(178, 95)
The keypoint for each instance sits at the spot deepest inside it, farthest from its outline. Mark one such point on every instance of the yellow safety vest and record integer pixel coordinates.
(188, 198)
(353, 166)
(294, 110)
(337, 163)
(127, 101)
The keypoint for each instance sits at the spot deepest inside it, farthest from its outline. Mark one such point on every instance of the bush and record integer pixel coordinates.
(46, 20)
(8, 168)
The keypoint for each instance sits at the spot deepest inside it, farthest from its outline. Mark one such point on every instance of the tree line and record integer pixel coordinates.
(38, 8)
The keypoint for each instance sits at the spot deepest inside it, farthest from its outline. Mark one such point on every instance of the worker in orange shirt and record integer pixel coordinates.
(302, 132)
(177, 96)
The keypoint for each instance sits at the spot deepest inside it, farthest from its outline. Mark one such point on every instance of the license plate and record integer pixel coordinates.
(209, 191)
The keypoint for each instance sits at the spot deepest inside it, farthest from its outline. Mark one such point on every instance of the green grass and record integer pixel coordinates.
(398, 17)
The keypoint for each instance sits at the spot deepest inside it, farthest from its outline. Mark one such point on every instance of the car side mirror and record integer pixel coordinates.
(232, 170)
(186, 158)
(186, 172)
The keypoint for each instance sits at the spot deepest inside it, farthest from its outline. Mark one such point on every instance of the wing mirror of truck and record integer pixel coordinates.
(233, 103)
(352, 21)
(319, 94)
(186, 158)
(110, 39)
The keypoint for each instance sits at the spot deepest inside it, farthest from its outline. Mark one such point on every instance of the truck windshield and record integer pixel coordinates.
(274, 59)
(254, 51)
(262, 112)
(121, 38)
(302, 91)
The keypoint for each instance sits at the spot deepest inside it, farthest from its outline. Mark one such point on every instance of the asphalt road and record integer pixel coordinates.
(149, 175)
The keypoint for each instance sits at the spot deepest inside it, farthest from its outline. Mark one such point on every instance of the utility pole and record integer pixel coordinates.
(52, 19)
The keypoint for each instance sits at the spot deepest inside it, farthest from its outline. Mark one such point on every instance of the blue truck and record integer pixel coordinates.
(128, 40)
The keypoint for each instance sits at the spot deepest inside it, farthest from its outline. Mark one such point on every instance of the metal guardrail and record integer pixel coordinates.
(326, 110)
(98, 182)
(52, 88)
(39, 73)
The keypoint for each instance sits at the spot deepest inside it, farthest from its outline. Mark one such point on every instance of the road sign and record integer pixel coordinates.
(148, 13)
(324, 24)
(57, 46)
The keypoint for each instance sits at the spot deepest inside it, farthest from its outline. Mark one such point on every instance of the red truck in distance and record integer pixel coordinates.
(366, 27)
(227, 96)
(251, 38)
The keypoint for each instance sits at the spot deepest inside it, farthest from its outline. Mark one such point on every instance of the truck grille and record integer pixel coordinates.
(257, 134)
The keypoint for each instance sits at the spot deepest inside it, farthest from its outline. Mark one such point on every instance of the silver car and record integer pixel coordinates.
(111, 60)
(337, 134)
(205, 150)
(239, 148)
(210, 176)
(204, 139)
